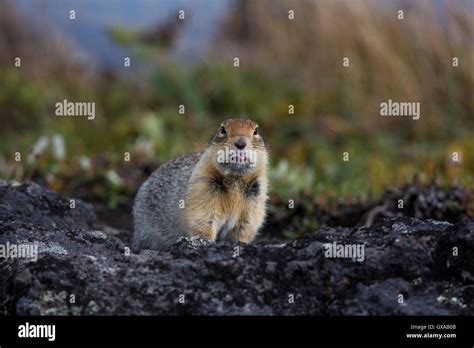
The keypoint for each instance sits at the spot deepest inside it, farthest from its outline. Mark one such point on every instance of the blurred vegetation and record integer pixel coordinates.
(282, 62)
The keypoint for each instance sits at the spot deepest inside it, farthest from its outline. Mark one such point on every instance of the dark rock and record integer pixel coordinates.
(32, 203)
(408, 268)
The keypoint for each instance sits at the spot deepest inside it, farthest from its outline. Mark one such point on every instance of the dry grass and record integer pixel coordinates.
(407, 60)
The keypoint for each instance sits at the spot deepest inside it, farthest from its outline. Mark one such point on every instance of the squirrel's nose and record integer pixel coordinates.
(240, 143)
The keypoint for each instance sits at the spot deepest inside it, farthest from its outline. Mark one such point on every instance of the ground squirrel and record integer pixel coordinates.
(218, 193)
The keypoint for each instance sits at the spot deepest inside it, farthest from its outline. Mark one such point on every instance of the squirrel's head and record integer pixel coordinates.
(237, 148)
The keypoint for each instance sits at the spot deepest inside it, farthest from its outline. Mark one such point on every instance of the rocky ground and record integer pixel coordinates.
(84, 267)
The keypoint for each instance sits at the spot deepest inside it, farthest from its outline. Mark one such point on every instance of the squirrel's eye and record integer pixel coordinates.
(255, 132)
(222, 131)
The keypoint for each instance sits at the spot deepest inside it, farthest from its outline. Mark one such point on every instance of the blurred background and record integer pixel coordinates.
(282, 62)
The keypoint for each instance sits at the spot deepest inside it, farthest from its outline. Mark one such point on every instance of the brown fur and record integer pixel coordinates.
(209, 208)
(220, 200)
